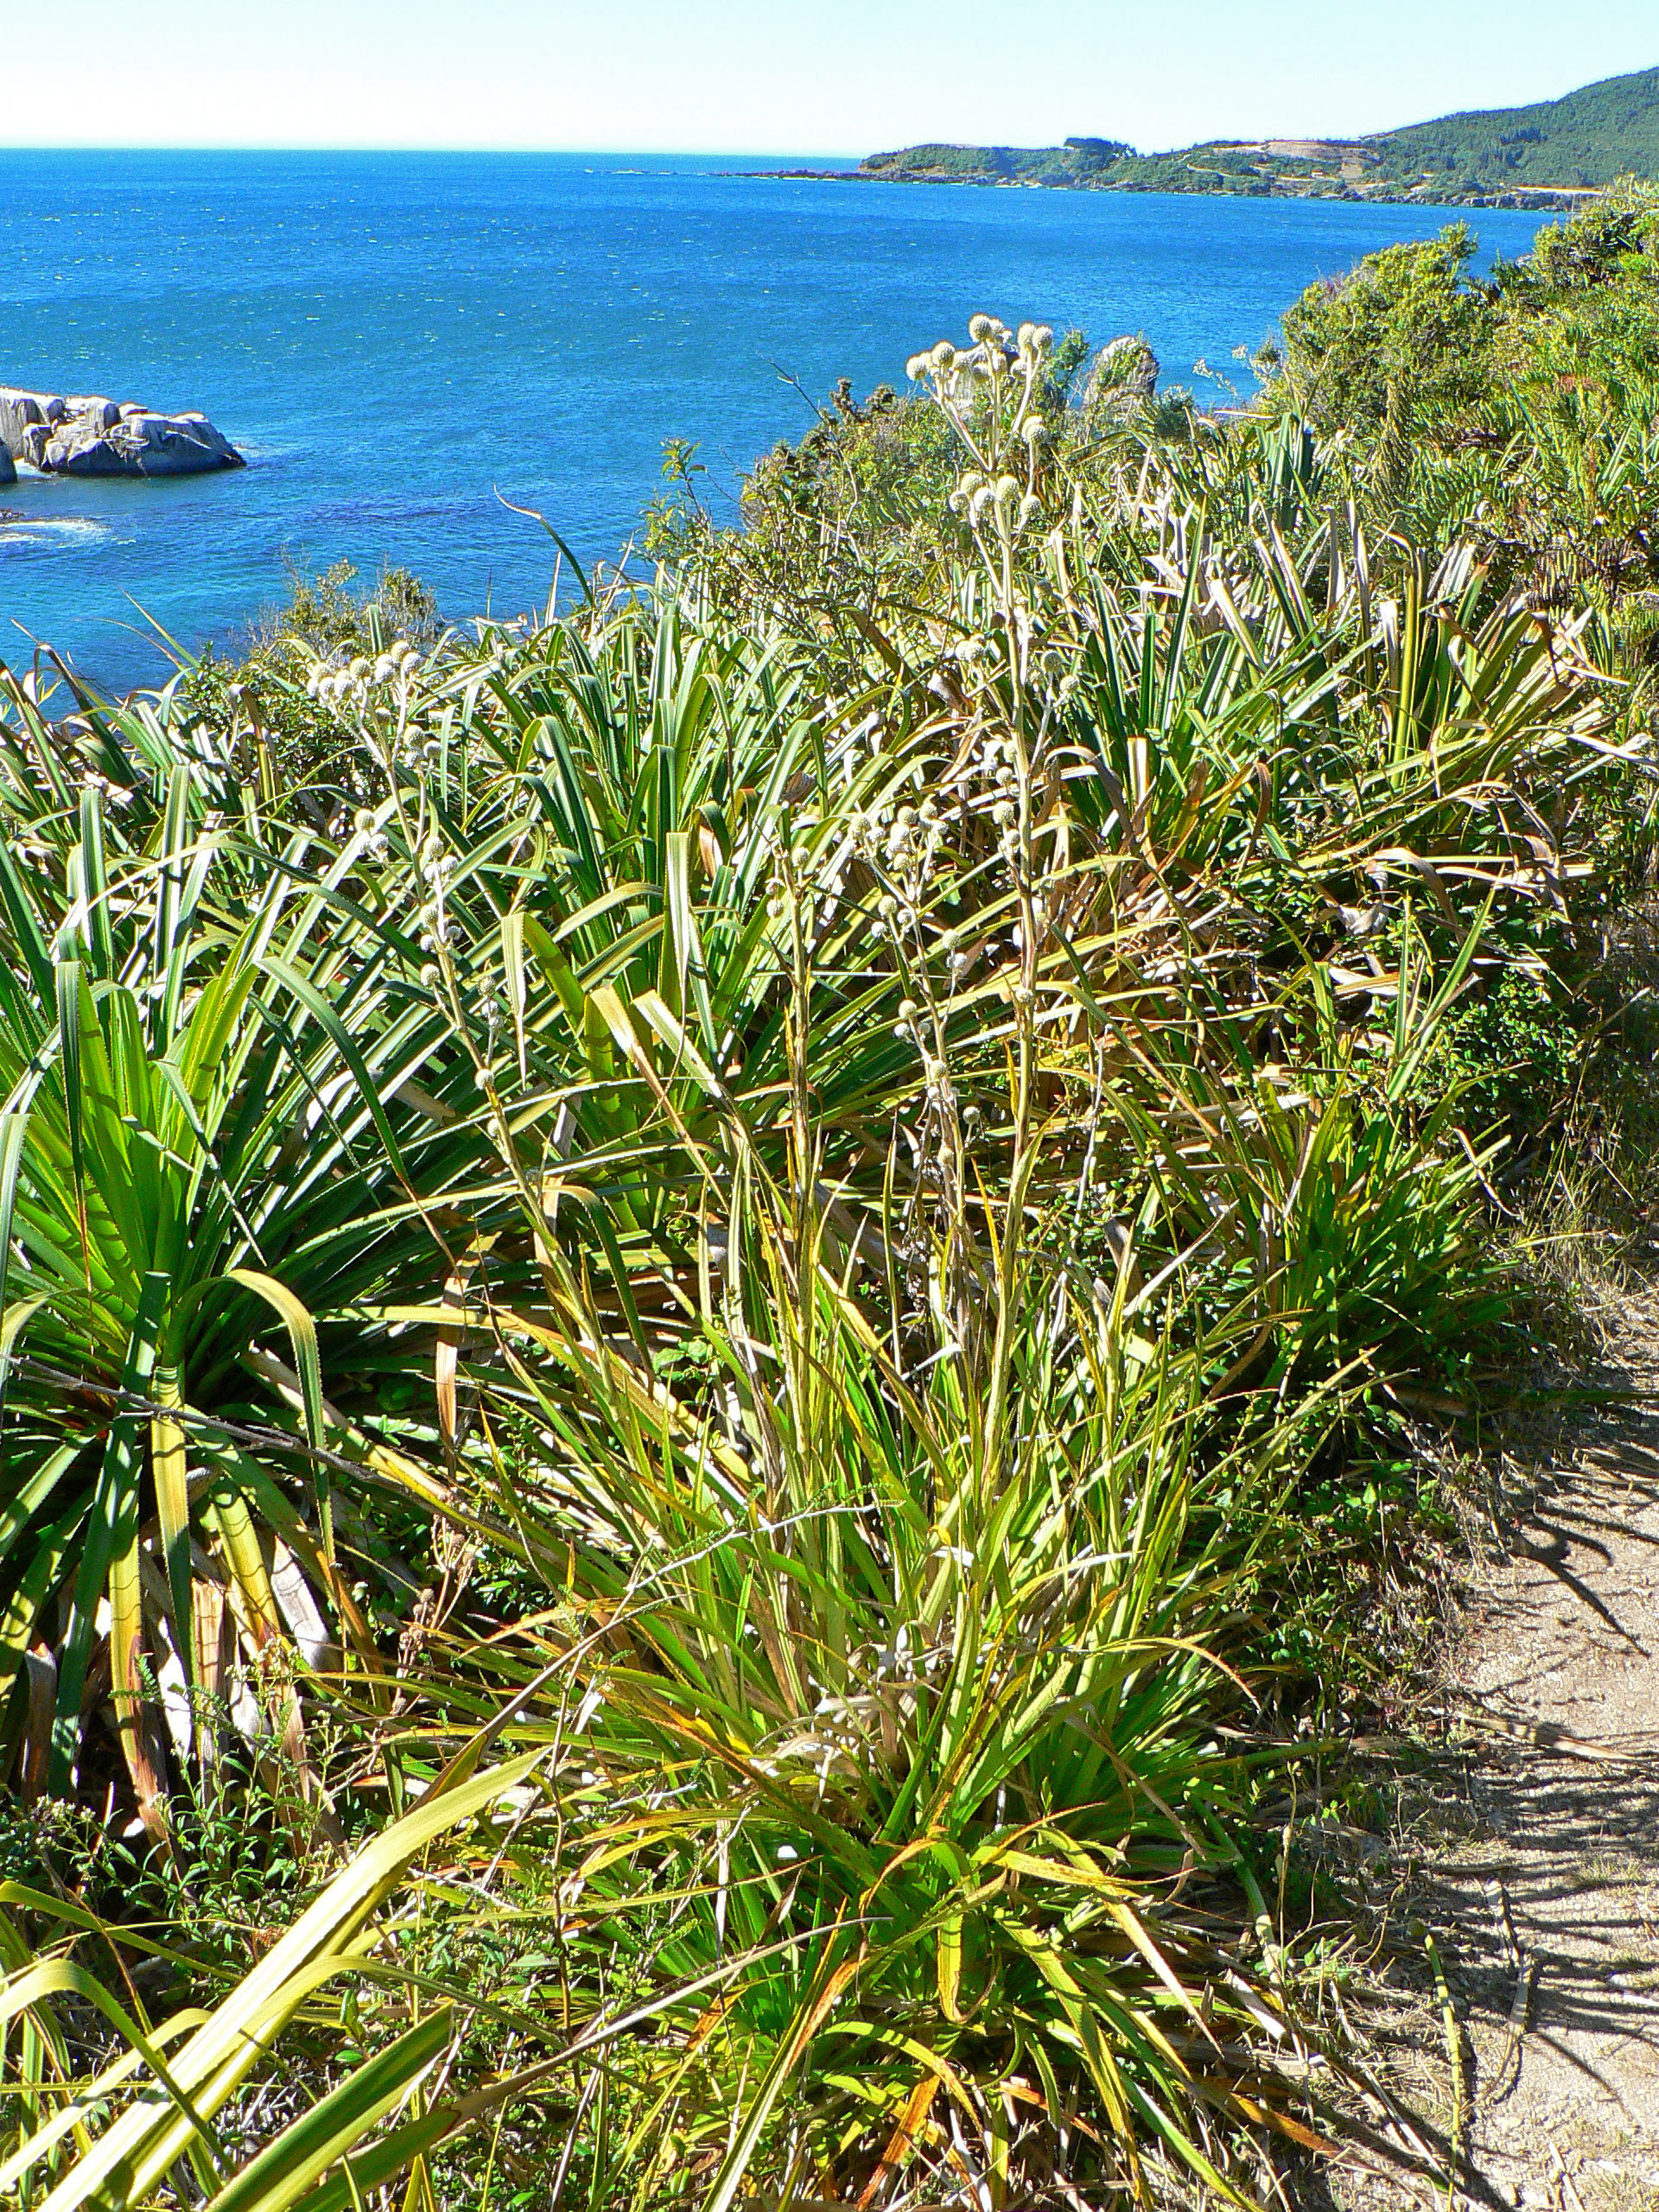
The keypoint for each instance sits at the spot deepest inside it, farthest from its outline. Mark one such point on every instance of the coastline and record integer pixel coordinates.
(1542, 199)
(361, 451)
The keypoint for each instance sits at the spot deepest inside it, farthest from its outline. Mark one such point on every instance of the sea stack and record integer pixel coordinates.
(87, 435)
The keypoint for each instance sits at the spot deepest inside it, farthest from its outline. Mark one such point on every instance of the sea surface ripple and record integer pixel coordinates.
(394, 340)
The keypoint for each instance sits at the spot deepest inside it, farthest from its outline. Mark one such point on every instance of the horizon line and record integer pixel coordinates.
(752, 154)
(552, 153)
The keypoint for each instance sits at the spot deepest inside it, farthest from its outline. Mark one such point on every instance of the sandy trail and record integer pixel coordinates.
(1535, 1844)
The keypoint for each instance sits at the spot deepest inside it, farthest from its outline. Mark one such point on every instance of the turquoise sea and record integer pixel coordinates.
(394, 340)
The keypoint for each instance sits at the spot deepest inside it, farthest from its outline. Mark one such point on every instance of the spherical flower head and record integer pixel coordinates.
(980, 500)
(1036, 432)
(1007, 491)
(360, 668)
(1030, 507)
(384, 669)
(944, 354)
(1026, 338)
(969, 483)
(1042, 339)
(918, 366)
(979, 327)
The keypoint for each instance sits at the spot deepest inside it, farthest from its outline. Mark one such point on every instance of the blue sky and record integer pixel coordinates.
(823, 76)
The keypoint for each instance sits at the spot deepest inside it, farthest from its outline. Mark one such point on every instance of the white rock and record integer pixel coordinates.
(181, 445)
(141, 444)
(19, 412)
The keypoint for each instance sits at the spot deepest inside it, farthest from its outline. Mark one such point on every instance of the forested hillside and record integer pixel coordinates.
(1587, 139)
(1590, 137)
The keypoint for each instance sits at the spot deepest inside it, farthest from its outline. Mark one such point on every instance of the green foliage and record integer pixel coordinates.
(1520, 413)
(1404, 330)
(115, 2133)
(896, 1737)
(810, 1195)
(325, 614)
(209, 1142)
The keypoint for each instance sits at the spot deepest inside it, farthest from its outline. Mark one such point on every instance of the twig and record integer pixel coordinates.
(1526, 1971)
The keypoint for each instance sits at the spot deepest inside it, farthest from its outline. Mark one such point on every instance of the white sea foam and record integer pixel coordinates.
(61, 533)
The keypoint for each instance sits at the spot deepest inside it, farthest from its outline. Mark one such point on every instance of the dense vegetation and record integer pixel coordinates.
(714, 1312)
(1591, 137)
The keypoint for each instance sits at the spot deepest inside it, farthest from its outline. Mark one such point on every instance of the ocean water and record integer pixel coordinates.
(394, 341)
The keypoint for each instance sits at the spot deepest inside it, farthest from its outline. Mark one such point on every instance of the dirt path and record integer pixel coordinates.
(1532, 1851)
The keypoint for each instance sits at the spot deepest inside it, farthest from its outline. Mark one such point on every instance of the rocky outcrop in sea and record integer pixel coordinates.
(89, 437)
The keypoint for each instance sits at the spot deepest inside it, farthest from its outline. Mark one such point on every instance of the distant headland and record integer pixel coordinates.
(1554, 155)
